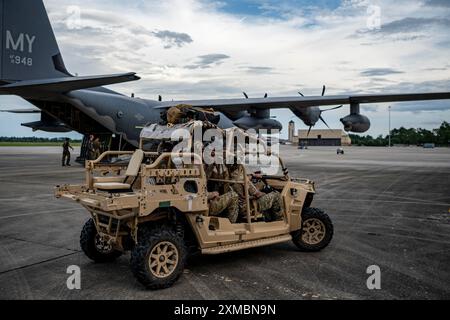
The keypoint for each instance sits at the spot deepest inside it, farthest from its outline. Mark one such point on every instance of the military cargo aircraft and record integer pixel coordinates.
(32, 67)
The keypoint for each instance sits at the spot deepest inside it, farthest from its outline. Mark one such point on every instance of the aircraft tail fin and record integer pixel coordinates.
(28, 48)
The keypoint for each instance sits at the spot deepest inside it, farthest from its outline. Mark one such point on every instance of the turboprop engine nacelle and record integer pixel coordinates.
(356, 123)
(250, 122)
(309, 116)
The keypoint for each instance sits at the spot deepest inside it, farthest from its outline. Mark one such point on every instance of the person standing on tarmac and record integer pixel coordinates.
(66, 153)
(91, 148)
(97, 146)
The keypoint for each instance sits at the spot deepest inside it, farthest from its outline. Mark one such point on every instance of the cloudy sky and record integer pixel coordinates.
(194, 49)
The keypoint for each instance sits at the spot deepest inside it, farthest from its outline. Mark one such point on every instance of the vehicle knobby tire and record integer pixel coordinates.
(143, 259)
(321, 231)
(87, 243)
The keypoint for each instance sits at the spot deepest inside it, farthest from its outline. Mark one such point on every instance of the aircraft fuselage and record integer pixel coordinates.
(119, 114)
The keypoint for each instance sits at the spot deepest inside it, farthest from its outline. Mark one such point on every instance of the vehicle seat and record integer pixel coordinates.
(130, 175)
(109, 179)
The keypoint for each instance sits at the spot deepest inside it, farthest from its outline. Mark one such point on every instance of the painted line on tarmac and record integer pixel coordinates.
(418, 219)
(386, 195)
(35, 198)
(401, 236)
(38, 243)
(388, 201)
(39, 174)
(402, 229)
(37, 213)
(38, 263)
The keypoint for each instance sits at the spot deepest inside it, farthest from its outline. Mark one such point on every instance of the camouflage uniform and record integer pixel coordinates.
(270, 205)
(91, 150)
(97, 146)
(66, 154)
(230, 202)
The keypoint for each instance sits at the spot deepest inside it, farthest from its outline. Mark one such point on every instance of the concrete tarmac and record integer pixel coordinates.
(390, 208)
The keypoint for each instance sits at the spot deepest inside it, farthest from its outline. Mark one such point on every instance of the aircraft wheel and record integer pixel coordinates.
(316, 232)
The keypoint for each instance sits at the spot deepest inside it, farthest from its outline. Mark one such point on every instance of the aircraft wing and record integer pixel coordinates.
(237, 105)
(22, 111)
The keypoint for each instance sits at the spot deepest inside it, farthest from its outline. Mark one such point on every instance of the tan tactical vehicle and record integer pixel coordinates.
(156, 206)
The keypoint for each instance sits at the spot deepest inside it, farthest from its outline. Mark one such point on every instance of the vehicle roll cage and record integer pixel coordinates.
(163, 134)
(198, 161)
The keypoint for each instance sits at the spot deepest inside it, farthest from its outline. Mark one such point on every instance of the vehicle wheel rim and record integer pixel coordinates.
(313, 231)
(102, 246)
(163, 259)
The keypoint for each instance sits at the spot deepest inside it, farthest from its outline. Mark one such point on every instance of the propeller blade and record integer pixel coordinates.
(301, 94)
(159, 98)
(323, 120)
(245, 95)
(335, 108)
(309, 131)
(265, 96)
(324, 90)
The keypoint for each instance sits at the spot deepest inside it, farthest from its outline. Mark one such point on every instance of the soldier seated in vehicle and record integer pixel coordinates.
(219, 204)
(269, 204)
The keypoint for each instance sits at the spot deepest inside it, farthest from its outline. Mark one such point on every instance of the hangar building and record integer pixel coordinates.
(326, 137)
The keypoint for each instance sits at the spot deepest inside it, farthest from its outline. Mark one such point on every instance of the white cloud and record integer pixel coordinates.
(278, 55)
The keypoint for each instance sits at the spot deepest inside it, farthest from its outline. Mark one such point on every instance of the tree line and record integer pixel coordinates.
(402, 136)
(35, 140)
(411, 137)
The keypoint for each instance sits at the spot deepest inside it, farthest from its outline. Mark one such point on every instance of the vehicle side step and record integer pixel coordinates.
(247, 245)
